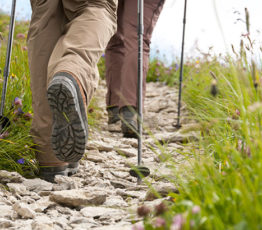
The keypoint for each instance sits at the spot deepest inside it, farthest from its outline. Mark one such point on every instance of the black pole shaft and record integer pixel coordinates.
(140, 78)
(8, 56)
(181, 68)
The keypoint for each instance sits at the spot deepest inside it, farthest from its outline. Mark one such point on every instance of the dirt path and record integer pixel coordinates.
(102, 195)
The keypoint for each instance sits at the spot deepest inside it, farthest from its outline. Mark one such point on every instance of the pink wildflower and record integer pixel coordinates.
(159, 222)
(138, 227)
(237, 112)
(20, 35)
(196, 209)
(178, 222)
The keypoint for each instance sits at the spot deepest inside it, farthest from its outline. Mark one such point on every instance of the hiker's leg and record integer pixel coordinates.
(90, 26)
(114, 57)
(152, 9)
(72, 68)
(45, 29)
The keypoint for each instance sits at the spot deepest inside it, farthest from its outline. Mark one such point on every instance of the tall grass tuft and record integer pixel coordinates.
(222, 187)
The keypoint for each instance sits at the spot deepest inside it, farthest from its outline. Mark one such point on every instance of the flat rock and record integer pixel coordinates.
(116, 127)
(128, 152)
(67, 183)
(130, 141)
(37, 185)
(77, 198)
(133, 194)
(24, 210)
(158, 105)
(81, 220)
(10, 177)
(95, 156)
(5, 224)
(6, 211)
(170, 137)
(121, 183)
(82, 223)
(42, 223)
(62, 222)
(120, 174)
(98, 212)
(115, 202)
(162, 190)
(118, 226)
(100, 145)
(42, 204)
(17, 188)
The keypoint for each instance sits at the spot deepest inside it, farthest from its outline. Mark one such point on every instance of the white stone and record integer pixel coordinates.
(118, 226)
(100, 145)
(133, 194)
(66, 183)
(5, 224)
(6, 211)
(76, 198)
(10, 177)
(42, 223)
(24, 210)
(128, 152)
(17, 188)
(42, 204)
(161, 189)
(115, 202)
(37, 185)
(95, 156)
(100, 211)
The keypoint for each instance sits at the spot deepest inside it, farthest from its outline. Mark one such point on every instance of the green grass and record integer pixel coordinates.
(227, 182)
(224, 178)
(17, 149)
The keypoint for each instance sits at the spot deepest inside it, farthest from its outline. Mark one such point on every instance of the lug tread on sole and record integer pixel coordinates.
(68, 131)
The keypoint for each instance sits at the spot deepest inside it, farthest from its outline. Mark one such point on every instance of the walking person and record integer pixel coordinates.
(65, 41)
(121, 62)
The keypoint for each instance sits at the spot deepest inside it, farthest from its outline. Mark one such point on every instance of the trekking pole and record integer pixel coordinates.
(178, 125)
(140, 171)
(4, 121)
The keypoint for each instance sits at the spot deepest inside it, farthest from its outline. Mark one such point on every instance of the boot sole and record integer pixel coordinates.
(70, 129)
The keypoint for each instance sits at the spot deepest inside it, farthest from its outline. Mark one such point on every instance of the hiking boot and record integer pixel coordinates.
(113, 114)
(48, 173)
(70, 128)
(128, 122)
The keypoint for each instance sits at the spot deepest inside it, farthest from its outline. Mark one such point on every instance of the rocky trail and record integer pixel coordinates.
(102, 195)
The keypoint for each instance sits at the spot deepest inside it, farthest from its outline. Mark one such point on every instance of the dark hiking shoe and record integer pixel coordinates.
(113, 115)
(70, 128)
(48, 173)
(128, 122)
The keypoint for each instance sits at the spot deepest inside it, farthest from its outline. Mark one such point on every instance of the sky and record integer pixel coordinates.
(210, 23)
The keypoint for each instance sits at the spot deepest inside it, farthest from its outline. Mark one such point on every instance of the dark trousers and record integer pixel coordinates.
(122, 52)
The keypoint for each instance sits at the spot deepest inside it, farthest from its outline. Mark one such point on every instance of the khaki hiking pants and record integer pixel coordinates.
(122, 51)
(69, 36)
